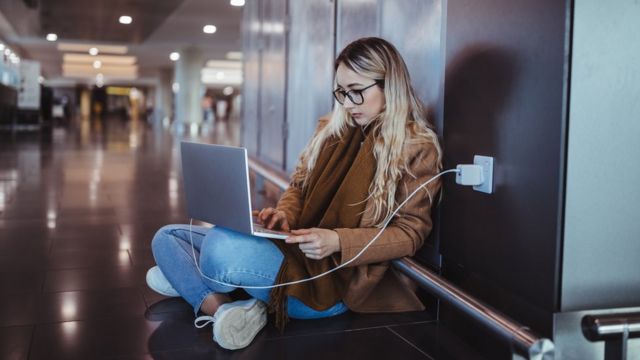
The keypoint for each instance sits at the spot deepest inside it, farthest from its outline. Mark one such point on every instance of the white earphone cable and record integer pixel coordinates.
(384, 226)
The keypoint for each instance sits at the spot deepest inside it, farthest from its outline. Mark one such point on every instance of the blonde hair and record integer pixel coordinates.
(401, 122)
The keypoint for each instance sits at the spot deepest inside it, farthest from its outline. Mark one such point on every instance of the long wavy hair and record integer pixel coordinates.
(402, 121)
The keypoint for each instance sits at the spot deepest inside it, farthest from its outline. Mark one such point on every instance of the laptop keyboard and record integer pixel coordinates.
(262, 229)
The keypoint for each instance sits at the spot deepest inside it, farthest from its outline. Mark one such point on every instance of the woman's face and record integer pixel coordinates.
(373, 104)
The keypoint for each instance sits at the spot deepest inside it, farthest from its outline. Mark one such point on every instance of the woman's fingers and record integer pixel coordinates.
(275, 219)
(302, 231)
(299, 238)
(266, 213)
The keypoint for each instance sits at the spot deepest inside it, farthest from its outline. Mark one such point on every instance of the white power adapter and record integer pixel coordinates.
(470, 175)
(479, 174)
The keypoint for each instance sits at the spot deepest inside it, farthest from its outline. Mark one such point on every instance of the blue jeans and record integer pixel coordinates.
(227, 256)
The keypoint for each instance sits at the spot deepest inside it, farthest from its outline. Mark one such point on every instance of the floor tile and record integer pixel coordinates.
(89, 305)
(91, 339)
(363, 344)
(87, 258)
(348, 322)
(18, 309)
(14, 342)
(21, 282)
(436, 341)
(93, 279)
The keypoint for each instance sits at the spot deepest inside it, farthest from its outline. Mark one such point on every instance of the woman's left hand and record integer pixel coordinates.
(315, 243)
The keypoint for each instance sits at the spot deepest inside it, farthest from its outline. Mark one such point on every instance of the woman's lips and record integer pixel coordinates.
(355, 115)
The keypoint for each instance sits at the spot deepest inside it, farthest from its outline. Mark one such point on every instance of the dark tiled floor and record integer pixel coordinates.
(78, 208)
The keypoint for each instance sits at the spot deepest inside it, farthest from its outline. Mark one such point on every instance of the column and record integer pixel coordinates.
(163, 109)
(188, 86)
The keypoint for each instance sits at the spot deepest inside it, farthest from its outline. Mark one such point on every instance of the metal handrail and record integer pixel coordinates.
(609, 326)
(522, 340)
(278, 178)
(615, 330)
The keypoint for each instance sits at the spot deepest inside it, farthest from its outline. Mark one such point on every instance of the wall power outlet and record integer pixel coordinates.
(486, 162)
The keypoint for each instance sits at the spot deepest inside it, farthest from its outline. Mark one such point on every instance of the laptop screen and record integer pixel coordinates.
(216, 185)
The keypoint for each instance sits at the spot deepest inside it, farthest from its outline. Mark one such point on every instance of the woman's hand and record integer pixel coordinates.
(272, 218)
(315, 243)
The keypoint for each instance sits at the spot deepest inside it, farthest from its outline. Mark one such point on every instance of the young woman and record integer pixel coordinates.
(366, 158)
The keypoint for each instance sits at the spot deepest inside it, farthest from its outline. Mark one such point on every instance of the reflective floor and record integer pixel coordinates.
(79, 205)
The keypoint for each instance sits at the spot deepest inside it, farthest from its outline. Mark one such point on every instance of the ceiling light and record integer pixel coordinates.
(97, 64)
(125, 19)
(209, 29)
(103, 49)
(52, 37)
(174, 56)
(227, 90)
(220, 75)
(99, 77)
(1, 46)
(237, 2)
(93, 51)
(7, 51)
(104, 59)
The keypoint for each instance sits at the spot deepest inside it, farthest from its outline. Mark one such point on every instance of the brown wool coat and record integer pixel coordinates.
(375, 286)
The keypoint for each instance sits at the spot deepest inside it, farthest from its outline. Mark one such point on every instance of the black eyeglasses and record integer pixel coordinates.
(354, 95)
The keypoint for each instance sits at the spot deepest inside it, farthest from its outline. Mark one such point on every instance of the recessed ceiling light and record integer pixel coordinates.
(125, 19)
(209, 29)
(93, 51)
(237, 2)
(227, 90)
(52, 37)
(97, 64)
(174, 56)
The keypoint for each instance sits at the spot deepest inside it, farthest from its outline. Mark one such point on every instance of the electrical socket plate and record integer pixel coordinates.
(486, 162)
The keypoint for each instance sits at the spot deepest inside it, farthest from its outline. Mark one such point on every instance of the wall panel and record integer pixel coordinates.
(251, 34)
(310, 72)
(421, 46)
(423, 51)
(273, 82)
(505, 86)
(601, 244)
(355, 19)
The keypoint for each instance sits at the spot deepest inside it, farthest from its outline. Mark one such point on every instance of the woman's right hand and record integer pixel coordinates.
(272, 218)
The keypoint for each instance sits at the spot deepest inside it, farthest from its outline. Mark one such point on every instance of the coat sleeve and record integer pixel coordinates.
(291, 200)
(407, 231)
(291, 203)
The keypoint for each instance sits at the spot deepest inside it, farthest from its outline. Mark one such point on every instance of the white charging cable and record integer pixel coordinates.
(384, 226)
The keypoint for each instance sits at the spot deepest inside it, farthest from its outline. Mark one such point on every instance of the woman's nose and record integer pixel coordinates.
(348, 104)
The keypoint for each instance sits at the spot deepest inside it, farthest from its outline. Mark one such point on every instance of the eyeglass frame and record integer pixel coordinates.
(347, 94)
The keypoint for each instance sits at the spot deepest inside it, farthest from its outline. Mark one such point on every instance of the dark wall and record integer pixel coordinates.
(504, 97)
(8, 104)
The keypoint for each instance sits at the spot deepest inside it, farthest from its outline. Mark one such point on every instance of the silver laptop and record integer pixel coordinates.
(216, 186)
